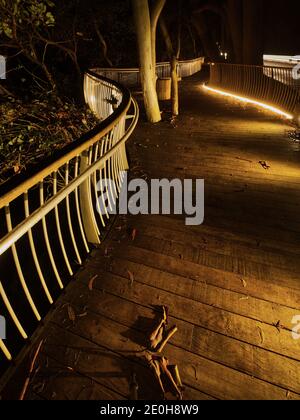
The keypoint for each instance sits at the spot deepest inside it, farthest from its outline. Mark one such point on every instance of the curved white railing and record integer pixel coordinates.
(130, 77)
(49, 219)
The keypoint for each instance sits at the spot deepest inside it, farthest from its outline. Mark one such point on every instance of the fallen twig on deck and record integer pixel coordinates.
(91, 282)
(163, 371)
(31, 371)
(168, 337)
(164, 365)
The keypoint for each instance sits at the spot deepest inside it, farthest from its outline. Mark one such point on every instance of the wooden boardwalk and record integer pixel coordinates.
(232, 285)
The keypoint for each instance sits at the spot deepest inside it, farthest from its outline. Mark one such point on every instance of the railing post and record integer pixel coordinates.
(86, 204)
(123, 147)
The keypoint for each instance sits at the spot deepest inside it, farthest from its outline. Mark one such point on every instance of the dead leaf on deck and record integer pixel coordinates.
(264, 164)
(71, 313)
(82, 315)
(91, 282)
(262, 335)
(195, 372)
(133, 234)
(131, 277)
(244, 283)
(279, 326)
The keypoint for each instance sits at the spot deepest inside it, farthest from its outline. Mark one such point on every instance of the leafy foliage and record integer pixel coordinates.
(24, 15)
(33, 131)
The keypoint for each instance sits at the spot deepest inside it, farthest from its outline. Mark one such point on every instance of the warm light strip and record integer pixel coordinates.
(250, 101)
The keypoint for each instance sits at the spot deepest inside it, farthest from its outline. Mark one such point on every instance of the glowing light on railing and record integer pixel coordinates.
(250, 101)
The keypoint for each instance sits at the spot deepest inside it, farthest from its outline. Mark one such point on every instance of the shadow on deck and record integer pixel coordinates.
(232, 285)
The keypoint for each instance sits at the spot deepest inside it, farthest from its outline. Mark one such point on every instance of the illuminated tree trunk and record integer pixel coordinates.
(156, 10)
(175, 87)
(143, 29)
(174, 64)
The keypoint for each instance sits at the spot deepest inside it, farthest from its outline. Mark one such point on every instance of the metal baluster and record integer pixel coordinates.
(110, 164)
(88, 216)
(58, 227)
(12, 312)
(46, 236)
(5, 350)
(105, 178)
(78, 208)
(120, 163)
(96, 183)
(34, 254)
(107, 147)
(70, 219)
(19, 269)
(114, 159)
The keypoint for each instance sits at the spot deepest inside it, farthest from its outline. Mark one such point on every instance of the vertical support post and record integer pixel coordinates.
(86, 205)
(123, 147)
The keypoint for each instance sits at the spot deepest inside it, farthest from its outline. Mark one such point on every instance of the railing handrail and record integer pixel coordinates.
(17, 185)
(252, 65)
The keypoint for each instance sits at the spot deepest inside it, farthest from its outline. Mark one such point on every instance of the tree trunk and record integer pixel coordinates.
(209, 46)
(173, 64)
(190, 31)
(235, 23)
(103, 45)
(175, 89)
(155, 14)
(143, 29)
(253, 32)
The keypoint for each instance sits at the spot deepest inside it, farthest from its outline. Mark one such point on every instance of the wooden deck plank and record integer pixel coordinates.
(200, 291)
(110, 369)
(241, 266)
(209, 241)
(268, 291)
(56, 381)
(232, 284)
(122, 303)
(197, 371)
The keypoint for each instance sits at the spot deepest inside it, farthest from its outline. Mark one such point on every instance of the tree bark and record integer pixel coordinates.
(209, 46)
(253, 32)
(175, 88)
(103, 45)
(143, 29)
(190, 31)
(155, 14)
(174, 65)
(235, 23)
